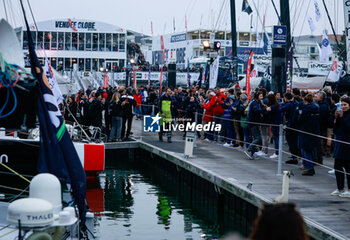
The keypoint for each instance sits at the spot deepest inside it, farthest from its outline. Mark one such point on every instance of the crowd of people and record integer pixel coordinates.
(251, 122)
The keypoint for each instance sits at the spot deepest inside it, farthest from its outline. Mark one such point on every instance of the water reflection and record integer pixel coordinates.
(135, 208)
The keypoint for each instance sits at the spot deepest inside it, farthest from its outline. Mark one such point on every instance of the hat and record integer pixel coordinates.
(232, 97)
(212, 94)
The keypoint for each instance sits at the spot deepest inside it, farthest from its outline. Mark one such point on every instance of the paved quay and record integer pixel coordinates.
(327, 217)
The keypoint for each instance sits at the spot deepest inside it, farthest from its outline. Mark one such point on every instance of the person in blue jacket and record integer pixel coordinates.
(255, 112)
(276, 119)
(308, 120)
(342, 150)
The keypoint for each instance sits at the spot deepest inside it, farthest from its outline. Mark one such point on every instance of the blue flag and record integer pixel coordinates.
(57, 152)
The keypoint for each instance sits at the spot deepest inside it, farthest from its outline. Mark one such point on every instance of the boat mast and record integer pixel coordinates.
(234, 40)
(279, 54)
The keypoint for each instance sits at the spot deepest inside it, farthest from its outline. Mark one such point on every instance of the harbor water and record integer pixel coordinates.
(132, 203)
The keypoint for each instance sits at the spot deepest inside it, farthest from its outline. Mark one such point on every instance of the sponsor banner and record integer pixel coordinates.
(322, 68)
(178, 38)
(77, 25)
(180, 76)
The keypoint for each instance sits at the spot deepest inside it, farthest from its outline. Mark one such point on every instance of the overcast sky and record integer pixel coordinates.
(137, 15)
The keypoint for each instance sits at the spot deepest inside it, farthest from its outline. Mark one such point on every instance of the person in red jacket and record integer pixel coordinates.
(138, 109)
(218, 111)
(208, 105)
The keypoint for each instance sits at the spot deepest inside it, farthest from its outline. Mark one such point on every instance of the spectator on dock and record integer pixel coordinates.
(308, 122)
(279, 222)
(342, 150)
(116, 109)
(127, 111)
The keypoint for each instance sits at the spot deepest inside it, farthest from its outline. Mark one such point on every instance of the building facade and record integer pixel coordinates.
(85, 44)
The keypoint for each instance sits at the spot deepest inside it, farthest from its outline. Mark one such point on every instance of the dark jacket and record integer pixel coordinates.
(191, 108)
(116, 109)
(275, 115)
(95, 113)
(255, 112)
(309, 121)
(324, 115)
(127, 108)
(342, 133)
(288, 110)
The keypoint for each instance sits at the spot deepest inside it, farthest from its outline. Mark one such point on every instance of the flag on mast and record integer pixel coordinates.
(311, 24)
(57, 153)
(325, 49)
(52, 81)
(317, 11)
(186, 22)
(246, 7)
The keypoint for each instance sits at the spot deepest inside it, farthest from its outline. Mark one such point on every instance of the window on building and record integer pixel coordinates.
(88, 64)
(243, 36)
(102, 44)
(53, 63)
(54, 41)
(39, 44)
(60, 41)
(67, 64)
(122, 42)
(81, 64)
(25, 40)
(47, 38)
(81, 37)
(195, 35)
(74, 41)
(74, 62)
(122, 63)
(115, 42)
(59, 64)
(88, 41)
(95, 42)
(67, 41)
(205, 35)
(95, 64)
(220, 35)
(108, 42)
(101, 64)
(33, 37)
(312, 50)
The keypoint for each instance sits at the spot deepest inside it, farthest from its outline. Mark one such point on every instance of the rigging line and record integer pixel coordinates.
(274, 6)
(295, 18)
(3, 1)
(219, 15)
(298, 17)
(257, 12)
(302, 27)
(12, 14)
(30, 8)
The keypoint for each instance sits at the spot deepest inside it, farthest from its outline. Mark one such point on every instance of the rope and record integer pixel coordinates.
(10, 169)
(11, 188)
(8, 233)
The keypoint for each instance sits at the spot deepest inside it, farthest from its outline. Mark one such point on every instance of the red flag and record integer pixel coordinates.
(105, 81)
(186, 22)
(151, 27)
(161, 72)
(249, 65)
(134, 76)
